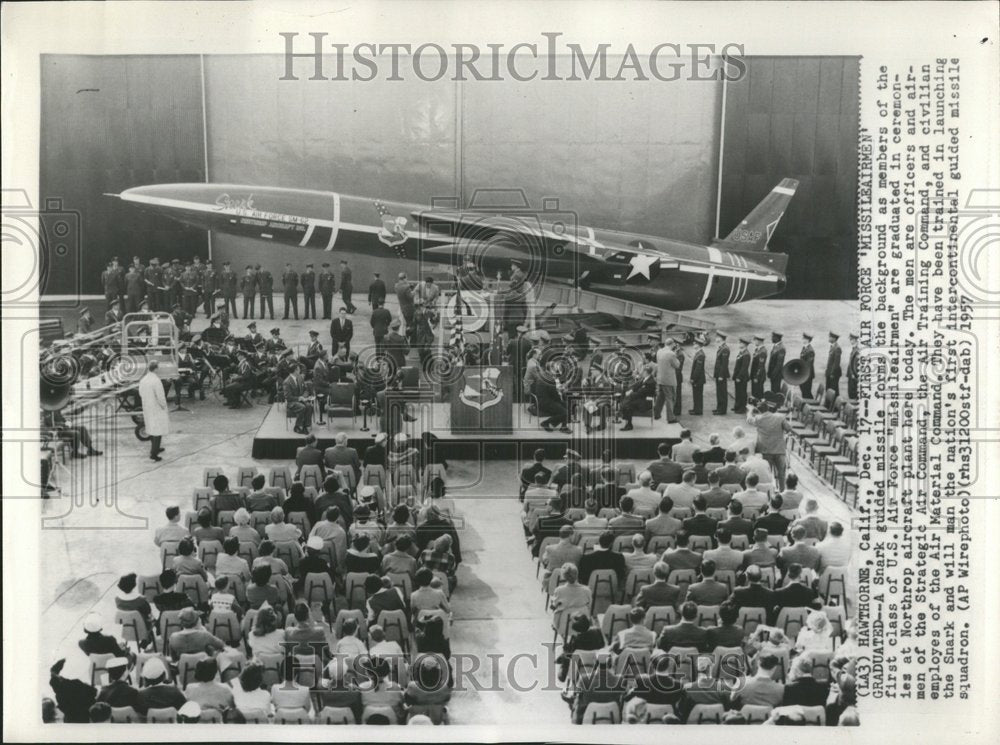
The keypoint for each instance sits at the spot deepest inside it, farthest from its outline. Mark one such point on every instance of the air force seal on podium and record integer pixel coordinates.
(482, 389)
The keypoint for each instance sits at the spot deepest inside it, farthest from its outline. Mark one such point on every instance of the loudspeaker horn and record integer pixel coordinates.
(795, 372)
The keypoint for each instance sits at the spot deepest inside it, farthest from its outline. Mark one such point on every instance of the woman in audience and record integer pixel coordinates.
(425, 599)
(581, 637)
(399, 525)
(266, 637)
(186, 562)
(289, 694)
(339, 693)
(815, 635)
(436, 500)
(229, 563)
(129, 599)
(568, 598)
(261, 590)
(206, 690)
(349, 646)
(278, 530)
(205, 530)
(430, 638)
(361, 558)
(439, 557)
(248, 696)
(770, 641)
(385, 691)
(297, 502)
(242, 530)
(841, 709)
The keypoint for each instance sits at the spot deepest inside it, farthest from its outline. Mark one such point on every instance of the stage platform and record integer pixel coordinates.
(276, 440)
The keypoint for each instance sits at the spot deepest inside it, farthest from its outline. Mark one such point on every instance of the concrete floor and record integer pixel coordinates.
(87, 542)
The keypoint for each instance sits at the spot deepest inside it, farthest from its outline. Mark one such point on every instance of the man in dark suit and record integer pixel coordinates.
(636, 399)
(736, 524)
(715, 496)
(396, 346)
(308, 455)
(804, 689)
(852, 368)
(775, 362)
(833, 371)
(687, 633)
(602, 557)
(549, 525)
(773, 521)
(731, 473)
(290, 285)
(715, 452)
(308, 282)
(341, 332)
(679, 372)
(321, 381)
(796, 594)
(296, 404)
(528, 473)
(721, 375)
(607, 492)
(376, 292)
(380, 321)
(755, 594)
(660, 592)
(741, 376)
(700, 523)
(709, 591)
(698, 377)
(758, 367)
(807, 357)
(551, 407)
(664, 470)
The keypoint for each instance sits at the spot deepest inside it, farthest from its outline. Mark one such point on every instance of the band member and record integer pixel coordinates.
(741, 376)
(698, 376)
(308, 281)
(228, 281)
(290, 283)
(154, 409)
(152, 279)
(209, 288)
(321, 382)
(721, 375)
(242, 380)
(346, 286)
(189, 290)
(275, 343)
(404, 294)
(188, 374)
(223, 315)
(248, 286)
(327, 286)
(758, 367)
(266, 284)
(180, 316)
(679, 351)
(255, 338)
(114, 314)
(808, 358)
(637, 398)
(852, 368)
(297, 399)
(312, 351)
(341, 331)
(376, 292)
(775, 362)
(86, 322)
(833, 370)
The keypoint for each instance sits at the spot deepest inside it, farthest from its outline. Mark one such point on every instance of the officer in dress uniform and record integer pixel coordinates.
(248, 286)
(852, 368)
(209, 281)
(404, 294)
(698, 376)
(775, 362)
(309, 292)
(199, 273)
(189, 290)
(290, 283)
(266, 284)
(758, 367)
(229, 282)
(741, 376)
(134, 282)
(327, 285)
(833, 370)
(346, 286)
(679, 372)
(721, 375)
(376, 292)
(808, 358)
(152, 279)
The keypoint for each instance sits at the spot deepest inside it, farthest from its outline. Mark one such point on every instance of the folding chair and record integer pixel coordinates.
(375, 475)
(615, 619)
(833, 584)
(396, 627)
(202, 497)
(791, 620)
(700, 543)
(403, 581)
(756, 714)
(134, 628)
(273, 671)
(245, 476)
(740, 542)
(210, 716)
(708, 616)
(226, 626)
(814, 715)
(209, 474)
(683, 578)
(701, 713)
(148, 586)
(227, 520)
(185, 667)
(335, 715)
(821, 665)
(659, 616)
(632, 662)
(727, 577)
(300, 520)
(311, 475)
(606, 579)
(168, 550)
(354, 587)
(254, 716)
(347, 472)
(751, 618)
(170, 621)
(384, 710)
(194, 587)
(602, 713)
(290, 553)
(357, 615)
(657, 544)
(99, 667)
(730, 663)
(555, 579)
(291, 716)
(162, 716)
(208, 552)
(248, 551)
(318, 588)
(282, 476)
(635, 580)
(124, 715)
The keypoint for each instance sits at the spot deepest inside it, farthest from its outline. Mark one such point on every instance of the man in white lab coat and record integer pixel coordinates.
(154, 409)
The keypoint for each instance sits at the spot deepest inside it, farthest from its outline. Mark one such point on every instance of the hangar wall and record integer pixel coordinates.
(109, 123)
(640, 156)
(798, 117)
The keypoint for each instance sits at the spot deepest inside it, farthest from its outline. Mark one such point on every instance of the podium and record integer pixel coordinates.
(482, 401)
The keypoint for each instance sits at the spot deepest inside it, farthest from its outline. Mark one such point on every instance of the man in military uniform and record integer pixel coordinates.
(209, 284)
(266, 284)
(290, 283)
(141, 270)
(852, 368)
(833, 370)
(297, 402)
(758, 367)
(114, 314)
(346, 286)
(153, 280)
(222, 314)
(189, 289)
(256, 339)
(698, 376)
(86, 322)
(376, 292)
(404, 294)
(228, 281)
(134, 282)
(741, 376)
(179, 315)
(275, 343)
(679, 372)
(380, 320)
(171, 278)
(776, 362)
(721, 375)
(238, 383)
(312, 351)
(321, 382)
(188, 374)
(327, 285)
(109, 281)
(248, 286)
(309, 292)
(808, 358)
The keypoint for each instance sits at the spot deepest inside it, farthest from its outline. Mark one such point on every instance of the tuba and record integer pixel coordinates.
(795, 372)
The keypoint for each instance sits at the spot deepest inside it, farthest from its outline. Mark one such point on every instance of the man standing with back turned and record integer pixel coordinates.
(666, 382)
(154, 409)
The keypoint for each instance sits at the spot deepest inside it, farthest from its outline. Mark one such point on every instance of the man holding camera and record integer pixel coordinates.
(771, 428)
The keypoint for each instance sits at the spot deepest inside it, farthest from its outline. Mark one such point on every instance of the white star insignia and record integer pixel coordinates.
(640, 264)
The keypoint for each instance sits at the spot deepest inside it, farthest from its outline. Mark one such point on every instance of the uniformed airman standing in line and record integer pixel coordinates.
(852, 368)
(248, 286)
(229, 281)
(758, 367)
(266, 283)
(808, 358)
(153, 279)
(698, 376)
(171, 272)
(376, 292)
(308, 281)
(327, 286)
(189, 291)
(776, 362)
(290, 283)
(209, 286)
(134, 283)
(679, 372)
(741, 376)
(346, 286)
(721, 375)
(833, 370)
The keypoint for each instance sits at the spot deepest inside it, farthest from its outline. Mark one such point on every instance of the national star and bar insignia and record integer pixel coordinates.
(643, 264)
